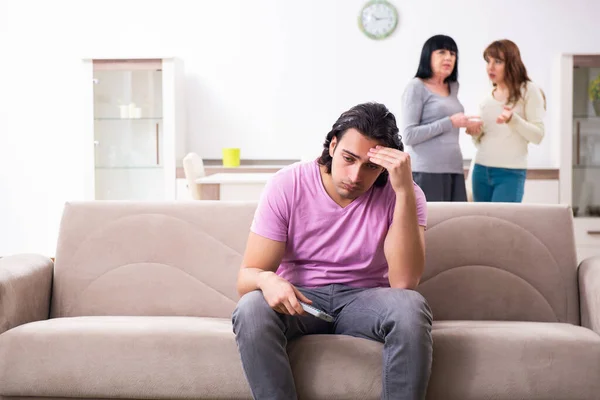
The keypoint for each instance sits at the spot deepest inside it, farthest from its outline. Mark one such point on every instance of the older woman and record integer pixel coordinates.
(432, 116)
(512, 115)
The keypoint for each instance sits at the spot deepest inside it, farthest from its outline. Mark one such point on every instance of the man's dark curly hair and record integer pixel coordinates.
(372, 120)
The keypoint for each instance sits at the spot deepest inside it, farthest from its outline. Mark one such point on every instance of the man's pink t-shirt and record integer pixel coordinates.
(325, 243)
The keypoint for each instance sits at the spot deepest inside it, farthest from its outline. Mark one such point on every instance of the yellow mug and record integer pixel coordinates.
(231, 157)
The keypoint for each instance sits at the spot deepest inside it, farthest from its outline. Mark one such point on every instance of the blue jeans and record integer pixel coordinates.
(502, 185)
(401, 319)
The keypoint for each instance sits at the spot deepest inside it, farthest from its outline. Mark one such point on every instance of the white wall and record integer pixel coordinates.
(269, 76)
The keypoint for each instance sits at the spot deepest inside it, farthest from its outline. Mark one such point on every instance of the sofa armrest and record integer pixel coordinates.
(589, 293)
(25, 289)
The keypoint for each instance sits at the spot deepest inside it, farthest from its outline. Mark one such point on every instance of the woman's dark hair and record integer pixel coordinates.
(372, 120)
(432, 44)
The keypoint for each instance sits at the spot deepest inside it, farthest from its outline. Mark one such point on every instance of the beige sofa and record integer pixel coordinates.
(138, 306)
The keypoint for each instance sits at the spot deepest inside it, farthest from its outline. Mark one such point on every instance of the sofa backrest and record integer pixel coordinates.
(144, 258)
(484, 261)
(501, 261)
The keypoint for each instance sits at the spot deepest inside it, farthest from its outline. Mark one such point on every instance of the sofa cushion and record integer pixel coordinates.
(514, 360)
(472, 360)
(128, 357)
(185, 357)
(149, 259)
(500, 262)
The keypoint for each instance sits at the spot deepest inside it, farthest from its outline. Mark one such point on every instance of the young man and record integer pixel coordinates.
(344, 233)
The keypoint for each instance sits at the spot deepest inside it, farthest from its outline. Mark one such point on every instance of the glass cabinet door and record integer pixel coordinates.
(586, 136)
(128, 129)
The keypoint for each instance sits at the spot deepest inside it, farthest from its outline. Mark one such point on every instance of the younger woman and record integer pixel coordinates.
(512, 115)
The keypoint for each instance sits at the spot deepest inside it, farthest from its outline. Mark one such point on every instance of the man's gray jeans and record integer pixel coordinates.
(401, 319)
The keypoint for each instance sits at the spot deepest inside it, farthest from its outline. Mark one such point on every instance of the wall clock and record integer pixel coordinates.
(378, 19)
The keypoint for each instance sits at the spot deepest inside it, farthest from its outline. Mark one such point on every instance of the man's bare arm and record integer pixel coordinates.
(262, 256)
(404, 245)
(261, 259)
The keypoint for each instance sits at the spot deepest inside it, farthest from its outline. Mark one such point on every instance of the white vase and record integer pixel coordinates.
(124, 111)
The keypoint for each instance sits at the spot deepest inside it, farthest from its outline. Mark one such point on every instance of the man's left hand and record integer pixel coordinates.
(397, 163)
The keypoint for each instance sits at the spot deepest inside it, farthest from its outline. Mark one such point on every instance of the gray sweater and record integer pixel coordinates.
(428, 131)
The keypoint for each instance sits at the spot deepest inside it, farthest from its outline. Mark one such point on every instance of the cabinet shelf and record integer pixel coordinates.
(129, 119)
(589, 166)
(131, 167)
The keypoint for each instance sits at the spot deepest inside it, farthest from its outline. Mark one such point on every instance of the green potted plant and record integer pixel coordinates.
(594, 92)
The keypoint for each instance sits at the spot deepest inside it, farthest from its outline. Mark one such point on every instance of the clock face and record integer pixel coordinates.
(378, 19)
